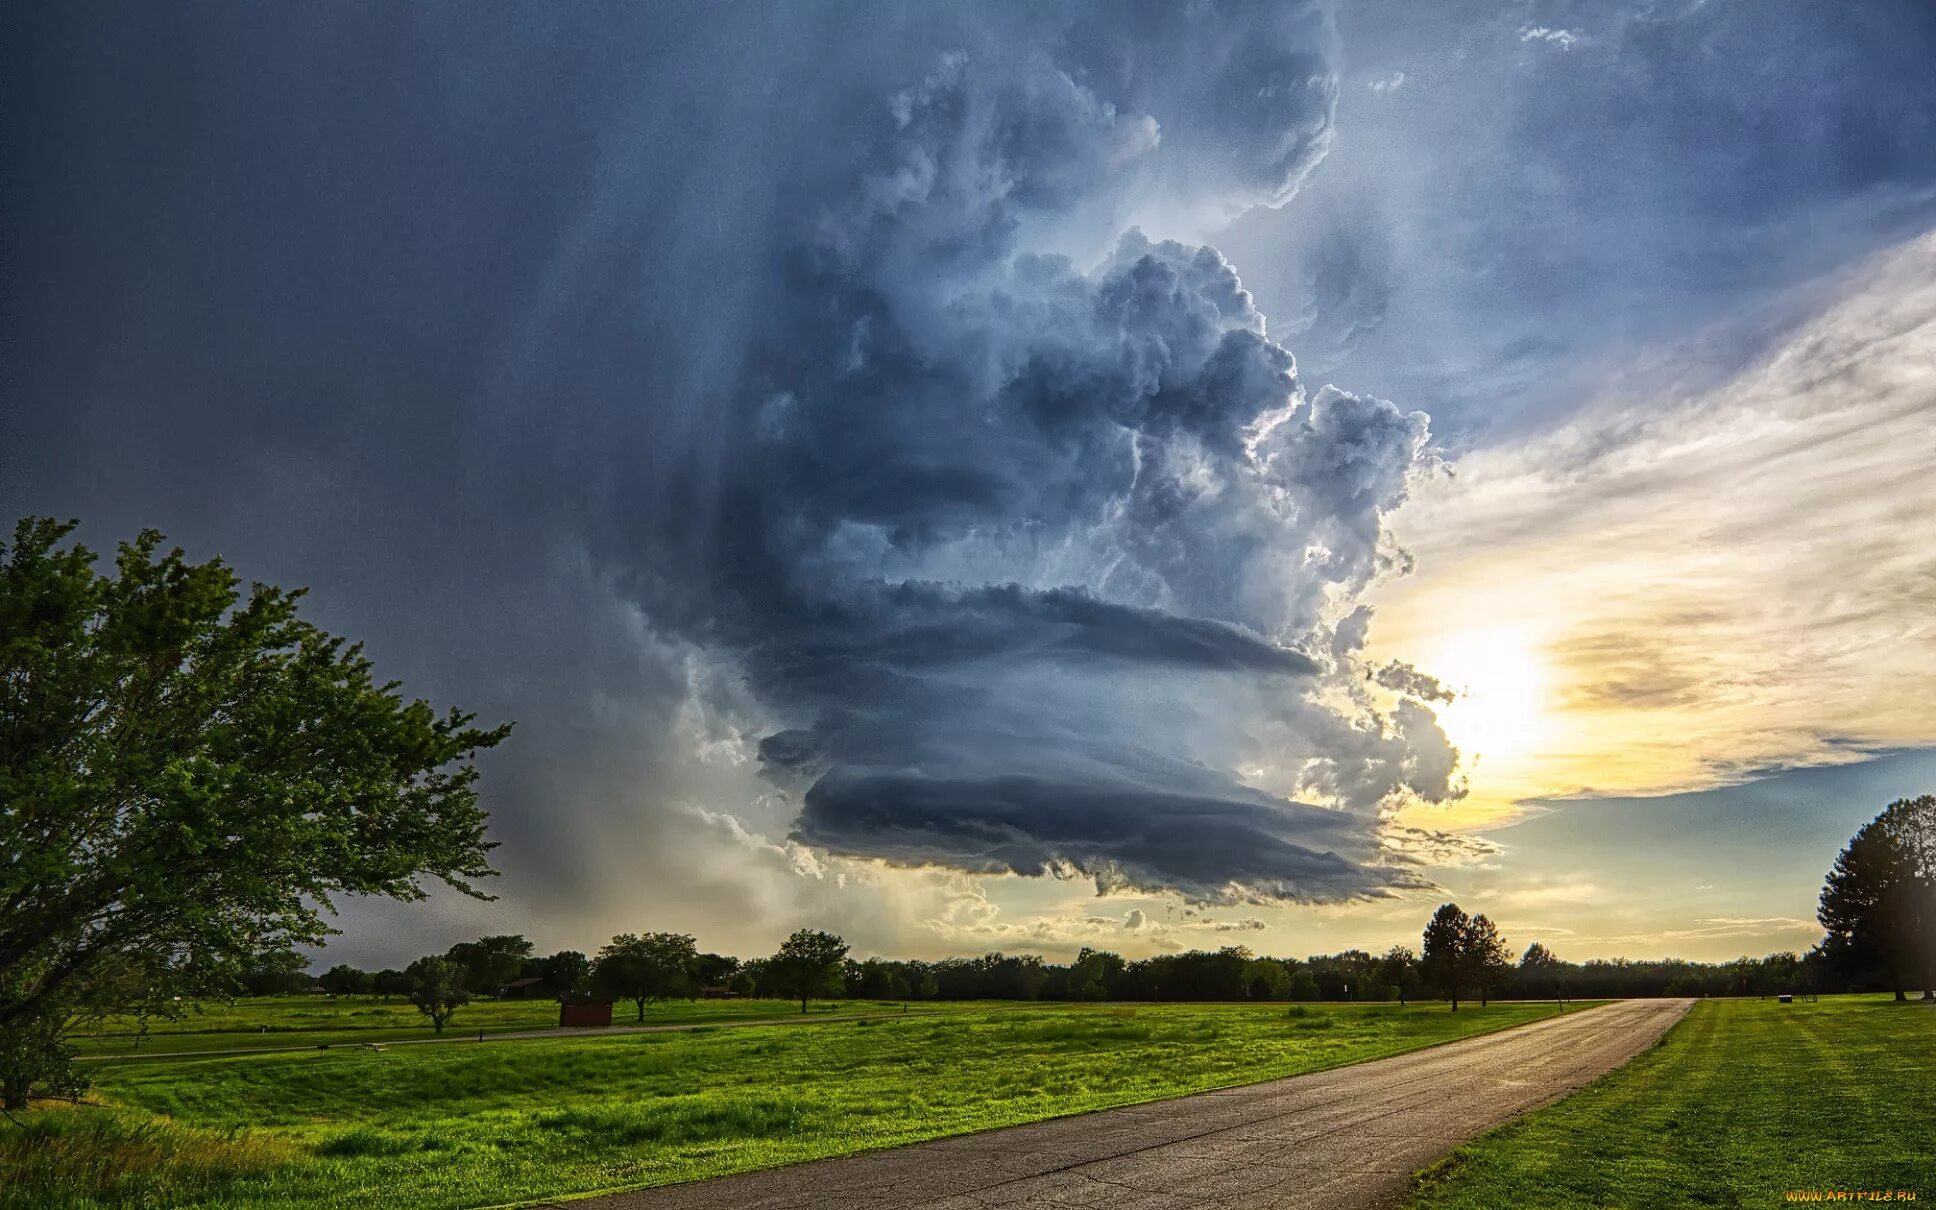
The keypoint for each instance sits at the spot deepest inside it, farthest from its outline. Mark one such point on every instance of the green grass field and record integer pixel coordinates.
(1744, 1102)
(304, 1022)
(471, 1125)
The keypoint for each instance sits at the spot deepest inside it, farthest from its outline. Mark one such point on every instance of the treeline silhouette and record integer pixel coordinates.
(1877, 908)
(1227, 974)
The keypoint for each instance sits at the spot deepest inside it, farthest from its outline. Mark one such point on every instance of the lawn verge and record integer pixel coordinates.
(1741, 1104)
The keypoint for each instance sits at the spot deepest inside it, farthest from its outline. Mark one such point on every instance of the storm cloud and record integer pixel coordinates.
(822, 427)
(1023, 554)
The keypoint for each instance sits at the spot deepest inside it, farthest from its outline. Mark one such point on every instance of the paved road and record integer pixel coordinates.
(1349, 1137)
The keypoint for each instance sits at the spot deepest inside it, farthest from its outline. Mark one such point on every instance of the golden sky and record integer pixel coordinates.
(1669, 594)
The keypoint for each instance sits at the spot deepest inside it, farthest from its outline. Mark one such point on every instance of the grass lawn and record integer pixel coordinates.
(304, 1022)
(1744, 1101)
(447, 1126)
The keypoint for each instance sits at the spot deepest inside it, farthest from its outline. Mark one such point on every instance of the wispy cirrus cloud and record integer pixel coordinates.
(1715, 585)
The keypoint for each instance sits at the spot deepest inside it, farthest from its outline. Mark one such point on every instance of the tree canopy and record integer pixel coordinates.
(810, 963)
(437, 988)
(1878, 903)
(649, 966)
(189, 776)
(1442, 954)
(490, 962)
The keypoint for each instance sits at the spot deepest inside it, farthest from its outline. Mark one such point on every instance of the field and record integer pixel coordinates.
(305, 1022)
(1743, 1103)
(471, 1125)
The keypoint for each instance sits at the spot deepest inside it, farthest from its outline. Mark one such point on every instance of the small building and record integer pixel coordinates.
(719, 992)
(1785, 998)
(580, 1013)
(522, 989)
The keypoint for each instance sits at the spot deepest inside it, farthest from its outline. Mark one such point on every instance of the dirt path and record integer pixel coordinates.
(1349, 1137)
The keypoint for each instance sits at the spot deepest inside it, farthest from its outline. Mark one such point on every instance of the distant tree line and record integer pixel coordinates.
(1877, 906)
(1461, 958)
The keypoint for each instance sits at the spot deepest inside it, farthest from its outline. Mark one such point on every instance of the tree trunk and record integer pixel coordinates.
(13, 1095)
(1895, 978)
(640, 1003)
(803, 1006)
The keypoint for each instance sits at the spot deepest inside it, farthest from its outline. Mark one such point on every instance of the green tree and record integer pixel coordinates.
(1871, 900)
(713, 970)
(275, 973)
(490, 962)
(390, 982)
(1486, 956)
(1304, 984)
(1912, 821)
(346, 980)
(1540, 972)
(437, 988)
(1442, 956)
(1398, 967)
(566, 972)
(1093, 974)
(645, 966)
(808, 964)
(1266, 979)
(190, 778)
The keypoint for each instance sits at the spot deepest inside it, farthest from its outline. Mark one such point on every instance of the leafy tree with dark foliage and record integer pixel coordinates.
(809, 964)
(643, 967)
(1443, 955)
(188, 777)
(1878, 902)
(1539, 971)
(438, 989)
(276, 973)
(1399, 969)
(1486, 957)
(712, 970)
(1913, 823)
(346, 980)
(565, 972)
(490, 962)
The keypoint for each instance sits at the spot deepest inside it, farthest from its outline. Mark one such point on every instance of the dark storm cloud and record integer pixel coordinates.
(1125, 836)
(671, 377)
(943, 398)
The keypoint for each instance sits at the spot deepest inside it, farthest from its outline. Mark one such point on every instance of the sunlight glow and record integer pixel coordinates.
(1501, 713)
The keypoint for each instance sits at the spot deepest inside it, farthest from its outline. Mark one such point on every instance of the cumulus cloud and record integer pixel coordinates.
(1025, 559)
(935, 500)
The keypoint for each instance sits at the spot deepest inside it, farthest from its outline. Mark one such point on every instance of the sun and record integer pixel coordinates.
(1501, 712)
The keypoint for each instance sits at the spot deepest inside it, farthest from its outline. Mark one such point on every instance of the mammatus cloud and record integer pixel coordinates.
(1026, 560)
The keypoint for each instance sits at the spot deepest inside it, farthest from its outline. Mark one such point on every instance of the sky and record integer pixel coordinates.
(1029, 476)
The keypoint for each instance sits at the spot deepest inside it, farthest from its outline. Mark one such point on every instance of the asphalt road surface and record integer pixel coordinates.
(1348, 1137)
